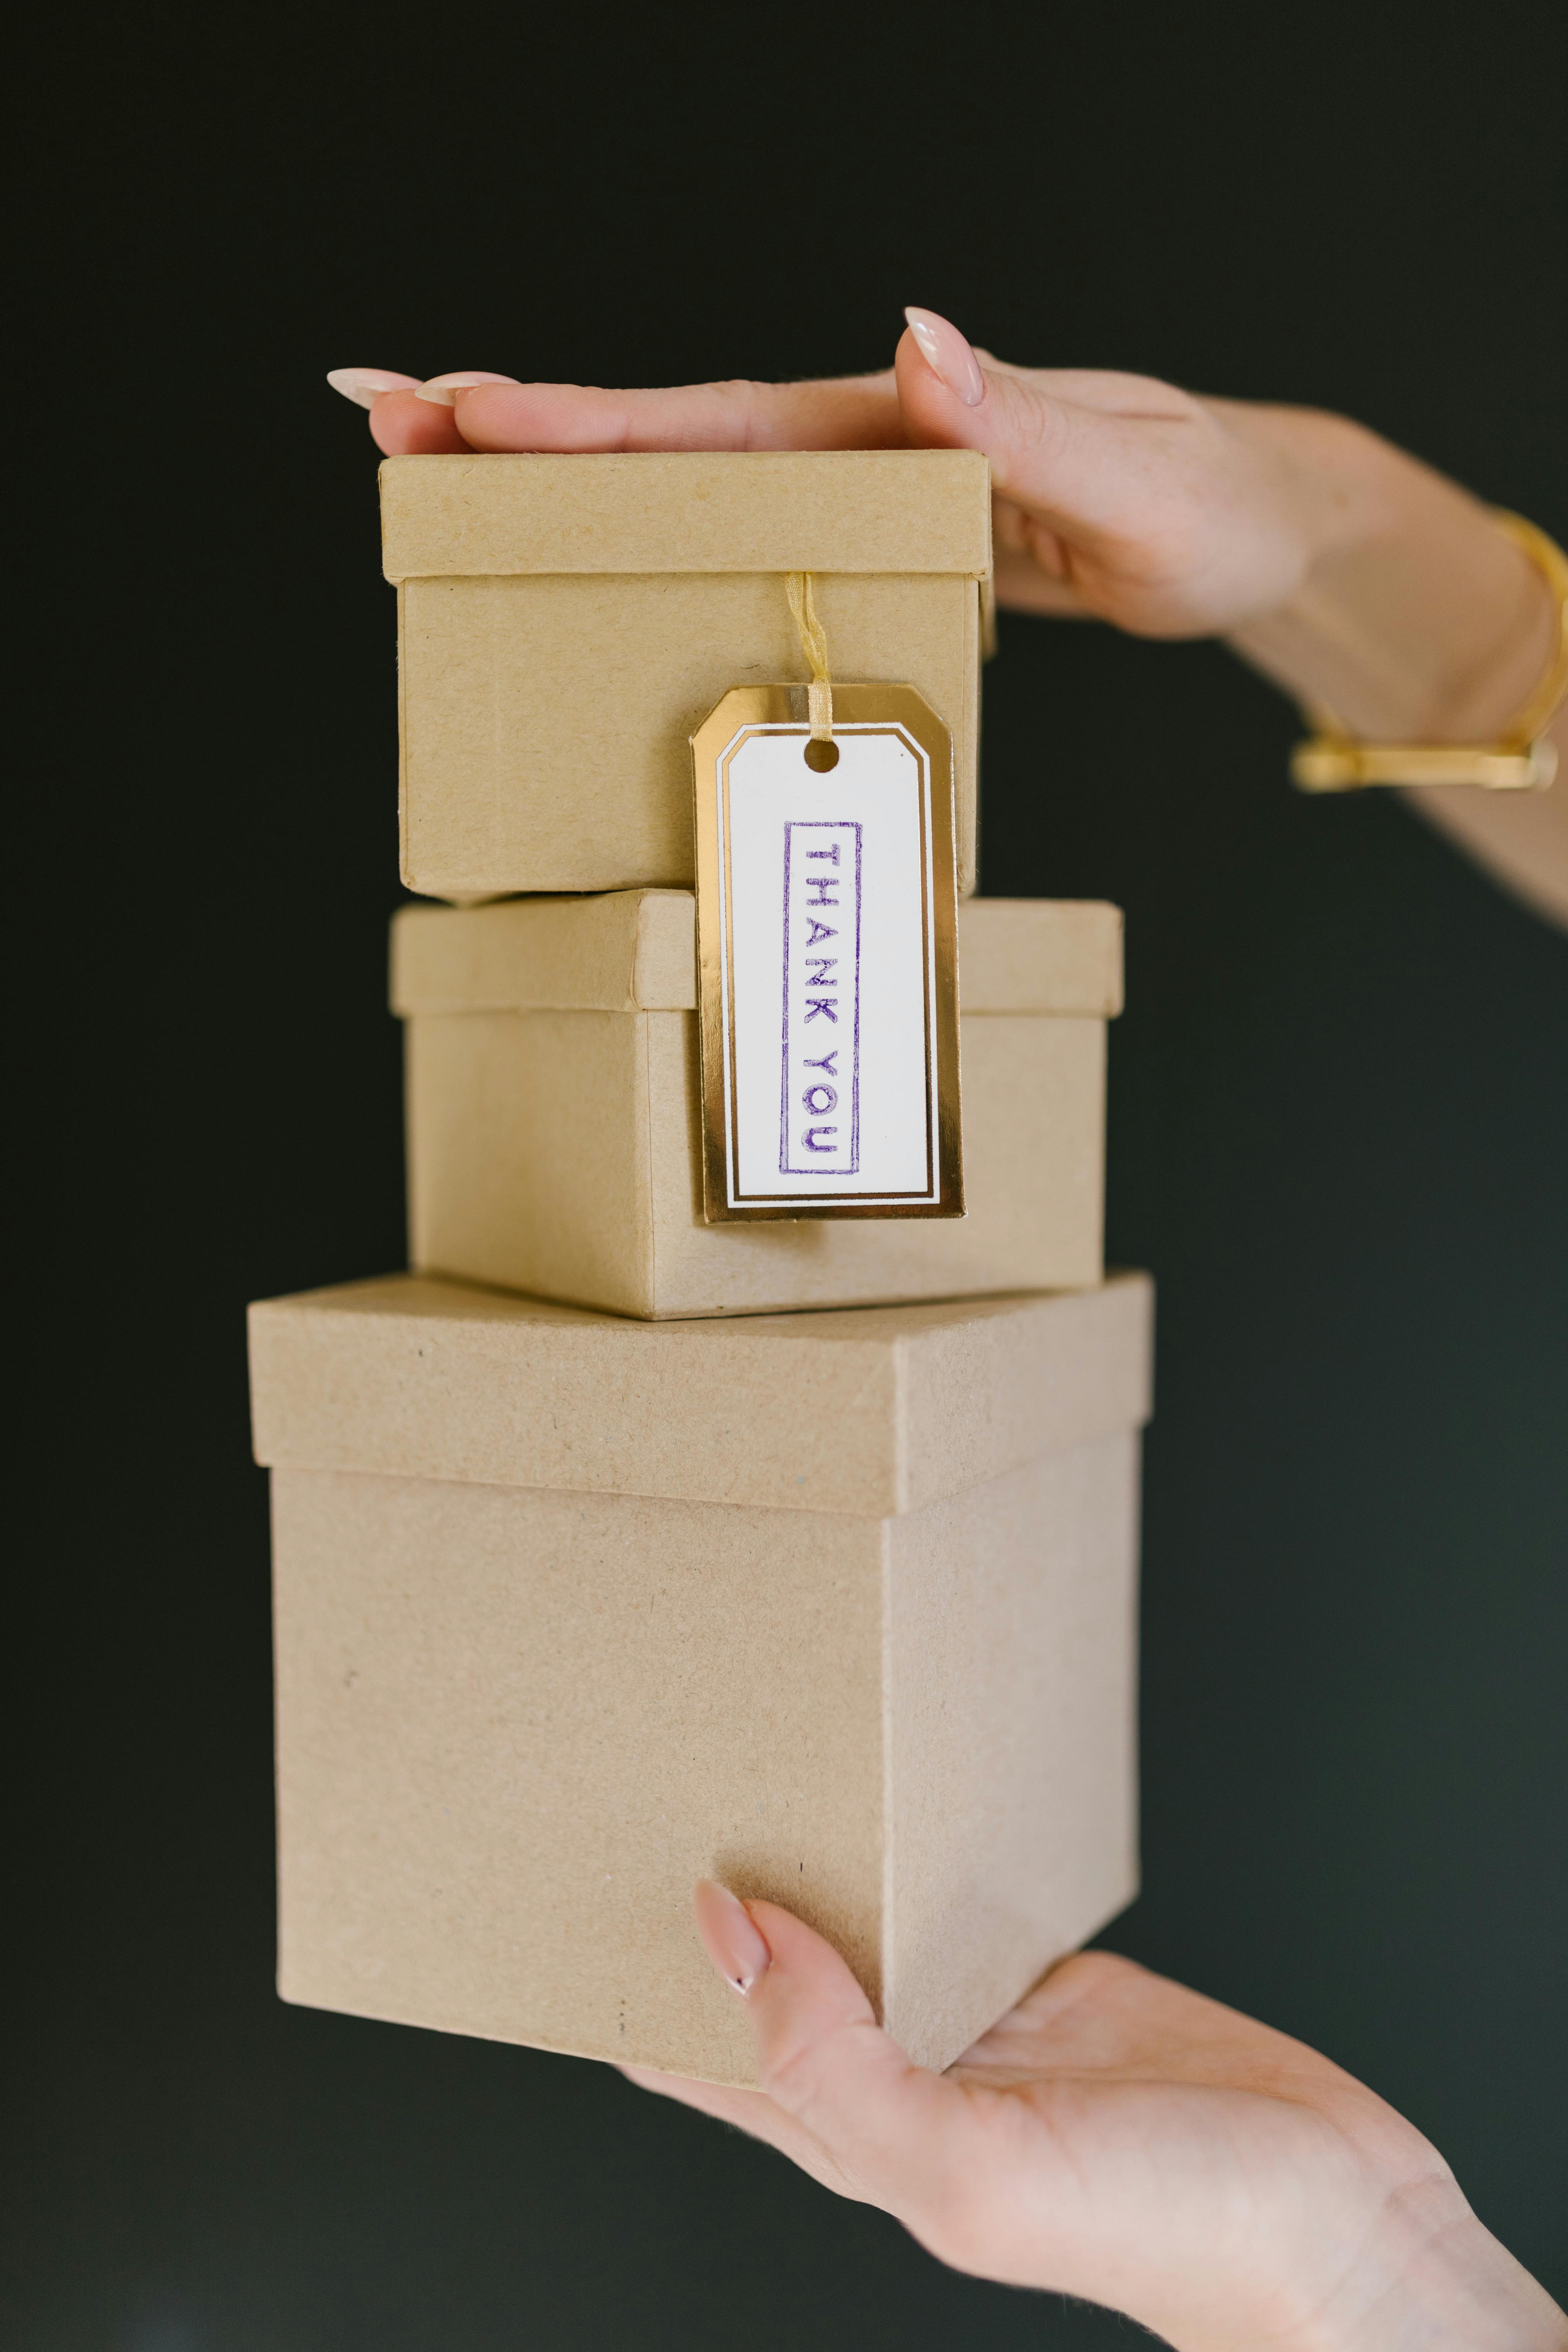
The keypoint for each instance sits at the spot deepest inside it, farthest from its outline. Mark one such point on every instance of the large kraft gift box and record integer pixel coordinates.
(572, 1611)
(554, 1107)
(566, 624)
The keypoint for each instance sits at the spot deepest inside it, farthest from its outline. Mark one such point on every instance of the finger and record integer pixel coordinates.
(1024, 585)
(404, 426)
(898, 2134)
(441, 390)
(848, 412)
(365, 386)
(1110, 389)
(1080, 471)
(400, 423)
(398, 420)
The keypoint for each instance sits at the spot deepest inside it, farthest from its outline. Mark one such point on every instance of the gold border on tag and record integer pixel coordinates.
(747, 710)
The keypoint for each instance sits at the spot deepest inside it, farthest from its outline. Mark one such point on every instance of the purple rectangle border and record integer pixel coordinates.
(836, 1165)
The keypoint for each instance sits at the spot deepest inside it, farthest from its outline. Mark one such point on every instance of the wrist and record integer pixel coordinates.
(1414, 617)
(1436, 2280)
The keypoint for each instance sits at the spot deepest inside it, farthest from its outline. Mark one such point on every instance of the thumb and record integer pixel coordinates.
(899, 2133)
(1078, 465)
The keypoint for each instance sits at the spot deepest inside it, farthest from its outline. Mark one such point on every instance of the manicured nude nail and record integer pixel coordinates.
(443, 389)
(948, 356)
(730, 1937)
(365, 386)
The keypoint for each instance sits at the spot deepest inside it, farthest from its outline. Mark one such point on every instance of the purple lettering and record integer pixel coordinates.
(819, 1097)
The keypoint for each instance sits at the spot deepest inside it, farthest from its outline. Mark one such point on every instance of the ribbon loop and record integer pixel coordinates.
(814, 645)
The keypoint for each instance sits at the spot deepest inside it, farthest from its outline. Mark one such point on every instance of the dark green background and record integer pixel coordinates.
(1340, 1093)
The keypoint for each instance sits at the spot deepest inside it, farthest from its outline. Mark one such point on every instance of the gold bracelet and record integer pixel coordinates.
(1519, 760)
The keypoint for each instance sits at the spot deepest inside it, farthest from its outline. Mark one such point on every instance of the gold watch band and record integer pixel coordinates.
(1519, 760)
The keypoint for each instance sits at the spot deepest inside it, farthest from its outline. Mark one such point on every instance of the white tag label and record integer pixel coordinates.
(829, 1041)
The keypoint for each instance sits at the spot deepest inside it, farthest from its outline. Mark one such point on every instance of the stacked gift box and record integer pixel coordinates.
(615, 1548)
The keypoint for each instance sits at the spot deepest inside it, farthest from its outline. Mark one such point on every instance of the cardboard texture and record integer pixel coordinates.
(566, 624)
(555, 1113)
(571, 1611)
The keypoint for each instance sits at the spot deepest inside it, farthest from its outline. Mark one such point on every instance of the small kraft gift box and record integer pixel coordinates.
(555, 1109)
(566, 622)
(571, 1611)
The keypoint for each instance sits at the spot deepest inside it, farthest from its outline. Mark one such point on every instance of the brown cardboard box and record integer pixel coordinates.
(554, 1108)
(571, 1611)
(566, 624)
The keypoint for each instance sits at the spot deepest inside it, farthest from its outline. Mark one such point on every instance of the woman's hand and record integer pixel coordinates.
(1343, 567)
(1349, 573)
(1115, 495)
(1121, 2139)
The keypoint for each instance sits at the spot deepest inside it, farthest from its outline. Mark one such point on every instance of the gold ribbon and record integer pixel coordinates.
(814, 645)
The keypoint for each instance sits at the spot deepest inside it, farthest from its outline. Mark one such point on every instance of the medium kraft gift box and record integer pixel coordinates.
(571, 1611)
(555, 1113)
(566, 624)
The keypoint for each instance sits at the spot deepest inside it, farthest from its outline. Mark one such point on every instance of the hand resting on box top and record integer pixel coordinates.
(1118, 496)
(1121, 2139)
(1350, 573)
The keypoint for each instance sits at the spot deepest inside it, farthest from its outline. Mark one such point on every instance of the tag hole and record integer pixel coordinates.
(821, 756)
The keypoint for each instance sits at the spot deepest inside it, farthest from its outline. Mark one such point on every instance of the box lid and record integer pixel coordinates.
(895, 510)
(866, 1411)
(635, 951)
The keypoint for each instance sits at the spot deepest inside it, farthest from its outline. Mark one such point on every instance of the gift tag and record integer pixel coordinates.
(827, 955)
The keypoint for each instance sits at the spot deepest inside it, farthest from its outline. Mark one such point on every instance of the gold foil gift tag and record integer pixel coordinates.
(827, 950)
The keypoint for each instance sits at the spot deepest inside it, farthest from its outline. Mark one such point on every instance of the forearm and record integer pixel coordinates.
(1519, 838)
(1415, 618)
(1450, 2287)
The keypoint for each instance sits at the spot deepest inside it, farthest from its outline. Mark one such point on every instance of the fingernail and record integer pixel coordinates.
(365, 386)
(948, 356)
(730, 1937)
(443, 389)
